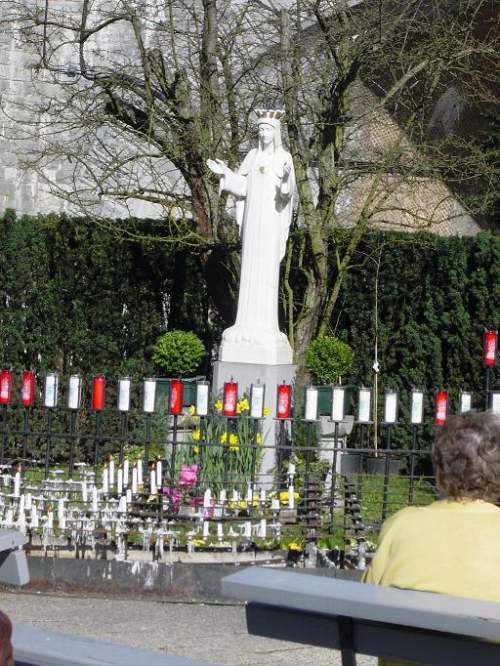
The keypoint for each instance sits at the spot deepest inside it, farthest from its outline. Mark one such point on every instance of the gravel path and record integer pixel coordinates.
(216, 634)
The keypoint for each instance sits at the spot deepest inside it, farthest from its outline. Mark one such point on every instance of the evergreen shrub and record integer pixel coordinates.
(179, 353)
(328, 358)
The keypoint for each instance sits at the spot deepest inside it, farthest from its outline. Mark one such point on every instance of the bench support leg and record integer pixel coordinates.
(346, 641)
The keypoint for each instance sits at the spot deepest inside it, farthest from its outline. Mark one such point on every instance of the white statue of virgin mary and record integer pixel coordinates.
(263, 188)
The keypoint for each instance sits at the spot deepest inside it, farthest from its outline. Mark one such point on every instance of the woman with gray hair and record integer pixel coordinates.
(451, 546)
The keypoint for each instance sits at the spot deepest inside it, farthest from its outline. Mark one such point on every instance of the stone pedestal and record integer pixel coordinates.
(247, 374)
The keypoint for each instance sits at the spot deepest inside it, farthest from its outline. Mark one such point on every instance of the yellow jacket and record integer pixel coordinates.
(449, 547)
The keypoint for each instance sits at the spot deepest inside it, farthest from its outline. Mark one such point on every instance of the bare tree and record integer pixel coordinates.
(131, 98)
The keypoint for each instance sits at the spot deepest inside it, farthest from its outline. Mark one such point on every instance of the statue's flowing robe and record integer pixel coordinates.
(264, 210)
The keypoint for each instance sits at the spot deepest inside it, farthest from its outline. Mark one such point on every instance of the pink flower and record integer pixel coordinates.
(188, 475)
(174, 495)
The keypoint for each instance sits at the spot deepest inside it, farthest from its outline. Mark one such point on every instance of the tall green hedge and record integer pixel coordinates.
(75, 297)
(435, 297)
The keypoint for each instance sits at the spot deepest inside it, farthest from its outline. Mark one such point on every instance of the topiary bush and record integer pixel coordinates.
(179, 353)
(328, 358)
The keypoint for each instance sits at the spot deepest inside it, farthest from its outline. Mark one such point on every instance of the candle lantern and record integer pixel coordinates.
(124, 394)
(364, 405)
(490, 339)
(495, 401)
(441, 408)
(284, 402)
(465, 401)
(257, 392)
(98, 393)
(311, 408)
(202, 390)
(338, 403)
(417, 407)
(230, 398)
(149, 397)
(28, 388)
(74, 392)
(176, 396)
(50, 393)
(390, 406)
(5, 386)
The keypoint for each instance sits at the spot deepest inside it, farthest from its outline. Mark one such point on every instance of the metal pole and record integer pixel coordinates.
(49, 441)
(26, 432)
(255, 427)
(413, 455)
(334, 471)
(123, 435)
(487, 388)
(386, 472)
(147, 444)
(97, 441)
(72, 443)
(4, 433)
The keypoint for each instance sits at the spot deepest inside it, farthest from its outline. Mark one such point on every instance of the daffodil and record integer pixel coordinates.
(196, 435)
(242, 406)
(218, 405)
(198, 542)
(258, 438)
(284, 496)
(196, 449)
(233, 442)
(267, 411)
(294, 546)
(223, 438)
(191, 410)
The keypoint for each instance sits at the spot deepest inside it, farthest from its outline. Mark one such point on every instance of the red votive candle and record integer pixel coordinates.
(5, 386)
(490, 348)
(441, 408)
(176, 396)
(230, 399)
(284, 401)
(98, 392)
(28, 388)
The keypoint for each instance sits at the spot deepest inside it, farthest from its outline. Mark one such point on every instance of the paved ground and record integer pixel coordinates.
(216, 634)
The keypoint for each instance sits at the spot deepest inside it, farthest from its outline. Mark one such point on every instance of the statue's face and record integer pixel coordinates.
(266, 134)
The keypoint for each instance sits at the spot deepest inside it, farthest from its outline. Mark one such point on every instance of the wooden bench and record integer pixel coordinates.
(355, 618)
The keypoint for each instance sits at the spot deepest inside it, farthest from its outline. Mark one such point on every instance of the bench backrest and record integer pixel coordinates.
(400, 624)
(38, 647)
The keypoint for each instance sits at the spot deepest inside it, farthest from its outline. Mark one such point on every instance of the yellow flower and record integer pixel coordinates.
(223, 438)
(218, 405)
(196, 449)
(243, 504)
(267, 411)
(196, 435)
(258, 438)
(198, 542)
(233, 442)
(242, 406)
(284, 496)
(191, 410)
(293, 546)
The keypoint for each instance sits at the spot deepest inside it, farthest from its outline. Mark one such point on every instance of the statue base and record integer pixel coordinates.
(245, 346)
(247, 374)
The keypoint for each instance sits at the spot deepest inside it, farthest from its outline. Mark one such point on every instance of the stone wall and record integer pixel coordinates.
(400, 203)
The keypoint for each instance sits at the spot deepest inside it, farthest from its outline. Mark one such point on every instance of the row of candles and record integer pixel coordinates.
(230, 399)
(105, 507)
(74, 395)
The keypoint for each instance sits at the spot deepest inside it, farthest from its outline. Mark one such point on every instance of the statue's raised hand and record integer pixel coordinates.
(218, 167)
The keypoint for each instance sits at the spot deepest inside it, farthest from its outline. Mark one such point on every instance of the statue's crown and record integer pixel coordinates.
(269, 113)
